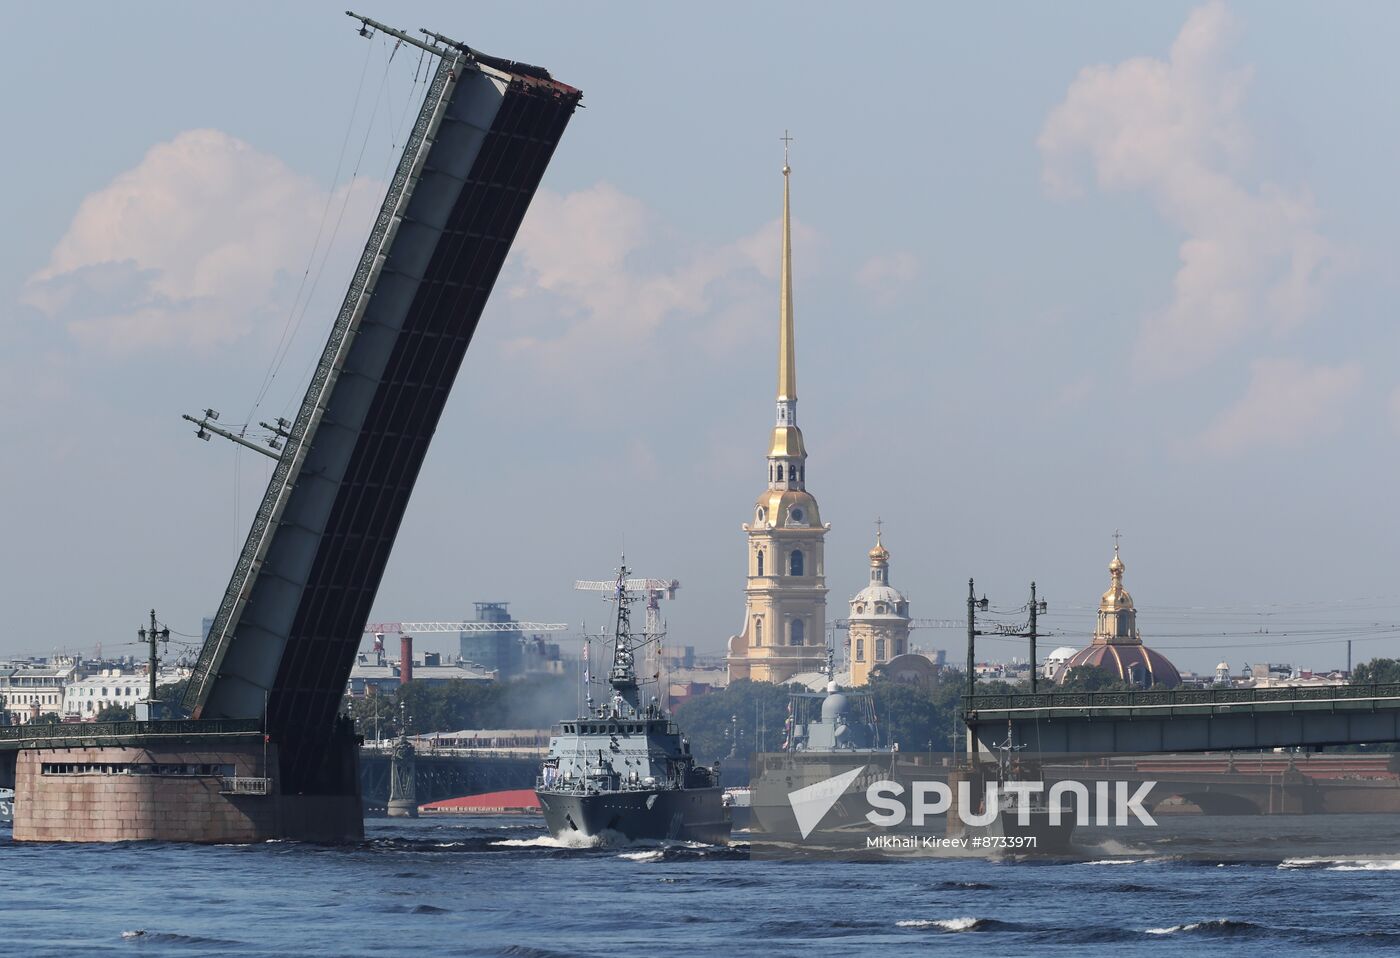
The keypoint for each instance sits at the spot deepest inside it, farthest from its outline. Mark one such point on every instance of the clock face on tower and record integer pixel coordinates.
(796, 513)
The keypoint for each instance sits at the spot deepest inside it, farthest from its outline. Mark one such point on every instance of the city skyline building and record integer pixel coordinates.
(879, 618)
(784, 630)
(1117, 648)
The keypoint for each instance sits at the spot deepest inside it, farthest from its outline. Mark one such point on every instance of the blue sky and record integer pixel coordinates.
(1059, 270)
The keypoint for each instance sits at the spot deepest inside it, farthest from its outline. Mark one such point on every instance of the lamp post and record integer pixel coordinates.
(973, 605)
(1036, 607)
(152, 635)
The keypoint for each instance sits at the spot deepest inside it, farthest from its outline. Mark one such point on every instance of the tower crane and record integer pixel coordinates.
(418, 628)
(915, 623)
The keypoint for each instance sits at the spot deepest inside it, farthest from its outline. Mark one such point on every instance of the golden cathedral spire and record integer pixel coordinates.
(786, 454)
(784, 631)
(787, 361)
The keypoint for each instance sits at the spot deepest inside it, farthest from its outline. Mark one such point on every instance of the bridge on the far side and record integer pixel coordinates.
(1185, 720)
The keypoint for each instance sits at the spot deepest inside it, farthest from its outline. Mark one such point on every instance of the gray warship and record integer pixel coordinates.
(622, 770)
(7, 806)
(822, 733)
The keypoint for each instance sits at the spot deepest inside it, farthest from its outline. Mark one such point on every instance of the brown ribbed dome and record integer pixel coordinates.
(1120, 660)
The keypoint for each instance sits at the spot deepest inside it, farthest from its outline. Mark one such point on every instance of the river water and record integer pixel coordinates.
(493, 886)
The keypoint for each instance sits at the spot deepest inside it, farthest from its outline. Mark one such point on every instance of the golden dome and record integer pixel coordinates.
(789, 507)
(787, 443)
(1116, 597)
(879, 553)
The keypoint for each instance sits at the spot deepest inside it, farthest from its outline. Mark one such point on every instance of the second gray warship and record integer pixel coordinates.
(822, 733)
(622, 770)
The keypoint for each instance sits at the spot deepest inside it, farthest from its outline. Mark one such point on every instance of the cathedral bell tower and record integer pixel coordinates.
(784, 629)
(879, 623)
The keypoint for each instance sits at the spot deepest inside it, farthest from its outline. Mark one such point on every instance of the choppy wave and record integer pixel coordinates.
(1218, 927)
(1343, 864)
(548, 841)
(952, 924)
(735, 881)
(525, 951)
(963, 886)
(418, 910)
(175, 938)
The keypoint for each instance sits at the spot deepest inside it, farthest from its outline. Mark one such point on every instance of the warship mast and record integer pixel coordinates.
(623, 676)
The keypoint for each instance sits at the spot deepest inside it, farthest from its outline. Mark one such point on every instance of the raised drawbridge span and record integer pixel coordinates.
(285, 635)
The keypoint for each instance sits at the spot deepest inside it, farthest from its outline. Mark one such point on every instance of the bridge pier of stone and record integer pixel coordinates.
(163, 781)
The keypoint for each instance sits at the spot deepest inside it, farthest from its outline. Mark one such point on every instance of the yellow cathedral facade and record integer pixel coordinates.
(878, 630)
(784, 629)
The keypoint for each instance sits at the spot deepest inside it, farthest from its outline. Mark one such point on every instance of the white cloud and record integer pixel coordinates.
(887, 276)
(1286, 403)
(1252, 258)
(594, 271)
(194, 245)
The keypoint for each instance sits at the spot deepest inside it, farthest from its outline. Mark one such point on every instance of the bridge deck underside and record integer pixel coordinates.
(404, 414)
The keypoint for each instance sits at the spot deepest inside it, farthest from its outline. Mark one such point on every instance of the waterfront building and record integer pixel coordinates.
(1117, 648)
(31, 689)
(879, 620)
(373, 672)
(84, 698)
(1055, 662)
(784, 630)
(498, 651)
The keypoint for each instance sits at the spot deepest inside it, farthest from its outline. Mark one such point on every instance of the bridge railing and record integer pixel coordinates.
(42, 733)
(427, 750)
(245, 785)
(1177, 697)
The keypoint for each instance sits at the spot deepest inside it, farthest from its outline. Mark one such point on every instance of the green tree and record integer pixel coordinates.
(907, 715)
(115, 713)
(532, 702)
(1377, 672)
(1095, 680)
(173, 695)
(760, 709)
